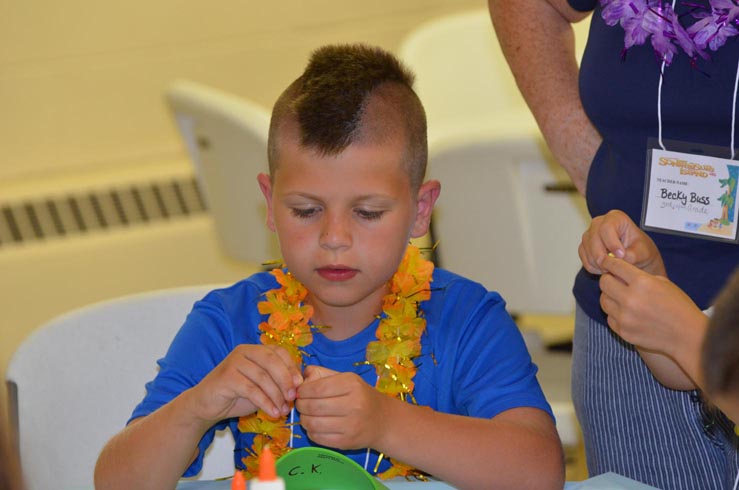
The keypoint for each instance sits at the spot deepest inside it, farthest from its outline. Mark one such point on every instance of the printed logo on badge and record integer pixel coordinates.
(692, 195)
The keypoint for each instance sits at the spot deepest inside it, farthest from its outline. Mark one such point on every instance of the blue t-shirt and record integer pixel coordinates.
(473, 361)
(620, 98)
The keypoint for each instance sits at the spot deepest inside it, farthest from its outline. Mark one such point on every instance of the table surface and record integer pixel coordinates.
(606, 481)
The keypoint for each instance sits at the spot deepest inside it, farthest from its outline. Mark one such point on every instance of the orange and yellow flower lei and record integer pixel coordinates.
(398, 344)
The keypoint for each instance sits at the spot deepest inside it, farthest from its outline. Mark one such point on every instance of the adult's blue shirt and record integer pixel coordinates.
(620, 98)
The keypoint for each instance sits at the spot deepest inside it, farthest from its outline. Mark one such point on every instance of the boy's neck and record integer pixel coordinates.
(343, 322)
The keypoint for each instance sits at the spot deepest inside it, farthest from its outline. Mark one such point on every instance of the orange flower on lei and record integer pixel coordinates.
(287, 326)
(398, 344)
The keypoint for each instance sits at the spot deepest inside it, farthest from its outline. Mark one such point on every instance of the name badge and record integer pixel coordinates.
(689, 194)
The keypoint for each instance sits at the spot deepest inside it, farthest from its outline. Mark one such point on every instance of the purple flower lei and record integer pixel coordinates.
(655, 19)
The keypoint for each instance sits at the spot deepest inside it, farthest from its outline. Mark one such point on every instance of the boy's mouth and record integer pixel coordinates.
(337, 272)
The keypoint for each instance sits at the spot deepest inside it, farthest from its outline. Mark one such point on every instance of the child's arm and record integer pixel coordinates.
(617, 234)
(518, 448)
(653, 313)
(154, 451)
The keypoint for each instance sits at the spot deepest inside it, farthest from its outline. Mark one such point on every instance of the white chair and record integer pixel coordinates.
(503, 220)
(226, 138)
(463, 78)
(494, 220)
(497, 224)
(75, 381)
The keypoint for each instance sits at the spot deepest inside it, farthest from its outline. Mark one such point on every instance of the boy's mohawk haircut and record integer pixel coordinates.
(334, 89)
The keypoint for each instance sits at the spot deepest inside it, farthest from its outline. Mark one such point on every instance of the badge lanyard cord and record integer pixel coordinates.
(659, 113)
(733, 149)
(733, 110)
(659, 96)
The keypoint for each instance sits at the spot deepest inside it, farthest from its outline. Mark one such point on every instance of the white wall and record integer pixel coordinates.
(81, 81)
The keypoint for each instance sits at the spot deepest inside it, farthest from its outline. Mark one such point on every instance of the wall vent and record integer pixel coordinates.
(77, 213)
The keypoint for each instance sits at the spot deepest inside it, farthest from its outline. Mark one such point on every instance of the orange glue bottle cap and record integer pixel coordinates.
(267, 479)
(238, 483)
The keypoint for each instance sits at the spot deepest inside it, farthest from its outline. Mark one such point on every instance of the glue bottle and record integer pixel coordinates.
(267, 479)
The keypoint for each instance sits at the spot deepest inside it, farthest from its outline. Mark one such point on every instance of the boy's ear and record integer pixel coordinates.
(265, 184)
(427, 195)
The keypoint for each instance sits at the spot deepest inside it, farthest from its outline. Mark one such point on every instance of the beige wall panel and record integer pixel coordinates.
(81, 82)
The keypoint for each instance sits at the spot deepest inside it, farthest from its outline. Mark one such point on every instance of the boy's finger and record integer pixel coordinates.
(315, 387)
(323, 407)
(296, 376)
(259, 386)
(258, 398)
(313, 373)
(272, 366)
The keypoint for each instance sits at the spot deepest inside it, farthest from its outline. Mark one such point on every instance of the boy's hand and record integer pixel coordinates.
(646, 310)
(249, 378)
(614, 232)
(340, 410)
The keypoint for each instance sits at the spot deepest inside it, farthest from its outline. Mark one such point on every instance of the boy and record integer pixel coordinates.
(347, 157)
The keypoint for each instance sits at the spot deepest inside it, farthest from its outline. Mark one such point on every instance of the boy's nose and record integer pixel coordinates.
(335, 233)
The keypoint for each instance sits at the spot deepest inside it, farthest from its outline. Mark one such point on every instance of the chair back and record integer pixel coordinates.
(462, 75)
(226, 139)
(496, 222)
(74, 382)
(463, 78)
(504, 220)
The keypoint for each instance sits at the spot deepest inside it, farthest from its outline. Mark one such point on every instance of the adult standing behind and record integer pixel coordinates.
(599, 130)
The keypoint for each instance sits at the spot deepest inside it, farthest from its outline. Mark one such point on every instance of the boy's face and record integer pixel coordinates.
(344, 221)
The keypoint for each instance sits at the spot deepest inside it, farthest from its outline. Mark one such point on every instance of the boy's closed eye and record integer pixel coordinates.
(304, 212)
(311, 212)
(369, 214)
